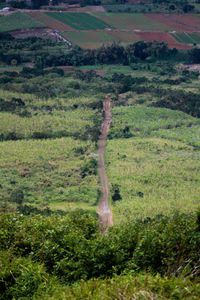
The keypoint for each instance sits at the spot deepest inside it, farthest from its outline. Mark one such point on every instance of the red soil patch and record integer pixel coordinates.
(178, 22)
(87, 9)
(100, 72)
(28, 32)
(67, 68)
(162, 37)
(49, 21)
(138, 1)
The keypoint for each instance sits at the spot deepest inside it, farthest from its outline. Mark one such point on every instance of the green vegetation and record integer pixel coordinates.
(48, 172)
(80, 21)
(187, 38)
(50, 118)
(144, 121)
(155, 173)
(16, 21)
(132, 21)
(41, 255)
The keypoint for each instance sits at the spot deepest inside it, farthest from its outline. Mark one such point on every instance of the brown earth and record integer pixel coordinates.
(28, 32)
(162, 37)
(104, 212)
(178, 22)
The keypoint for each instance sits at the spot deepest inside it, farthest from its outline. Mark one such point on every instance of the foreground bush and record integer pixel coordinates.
(71, 248)
(129, 287)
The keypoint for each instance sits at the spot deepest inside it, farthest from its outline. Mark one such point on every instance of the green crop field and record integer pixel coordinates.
(157, 170)
(132, 21)
(79, 21)
(16, 21)
(187, 38)
(49, 21)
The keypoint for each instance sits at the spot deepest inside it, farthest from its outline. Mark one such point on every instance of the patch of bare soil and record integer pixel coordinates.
(28, 32)
(105, 213)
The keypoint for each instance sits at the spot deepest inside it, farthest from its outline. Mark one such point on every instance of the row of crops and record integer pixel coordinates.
(91, 30)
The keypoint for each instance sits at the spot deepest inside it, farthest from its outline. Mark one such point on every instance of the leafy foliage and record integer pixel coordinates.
(70, 247)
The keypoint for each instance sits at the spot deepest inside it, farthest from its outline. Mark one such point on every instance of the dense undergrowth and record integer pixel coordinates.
(49, 128)
(40, 254)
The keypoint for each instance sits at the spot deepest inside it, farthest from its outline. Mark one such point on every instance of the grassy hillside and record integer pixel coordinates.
(49, 173)
(47, 147)
(153, 161)
(50, 119)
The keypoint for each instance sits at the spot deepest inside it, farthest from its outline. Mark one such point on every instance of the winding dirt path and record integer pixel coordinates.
(104, 212)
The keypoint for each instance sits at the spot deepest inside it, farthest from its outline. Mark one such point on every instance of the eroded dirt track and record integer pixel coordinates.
(105, 213)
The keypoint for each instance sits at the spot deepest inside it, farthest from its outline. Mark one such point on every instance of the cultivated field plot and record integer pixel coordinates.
(132, 21)
(124, 37)
(49, 21)
(79, 21)
(187, 37)
(16, 21)
(95, 39)
(48, 172)
(89, 40)
(162, 37)
(157, 170)
(186, 22)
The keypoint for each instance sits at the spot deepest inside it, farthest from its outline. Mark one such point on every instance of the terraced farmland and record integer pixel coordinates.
(187, 37)
(49, 21)
(163, 37)
(16, 21)
(133, 21)
(79, 21)
(91, 30)
(89, 40)
(178, 22)
(94, 39)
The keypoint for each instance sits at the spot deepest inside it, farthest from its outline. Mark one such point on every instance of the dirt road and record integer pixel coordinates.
(105, 213)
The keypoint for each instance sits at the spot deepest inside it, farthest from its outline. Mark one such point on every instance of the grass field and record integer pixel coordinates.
(145, 121)
(48, 172)
(52, 162)
(79, 21)
(157, 170)
(16, 21)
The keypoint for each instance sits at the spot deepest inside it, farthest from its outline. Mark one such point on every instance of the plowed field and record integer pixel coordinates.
(186, 22)
(49, 21)
(132, 21)
(161, 37)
